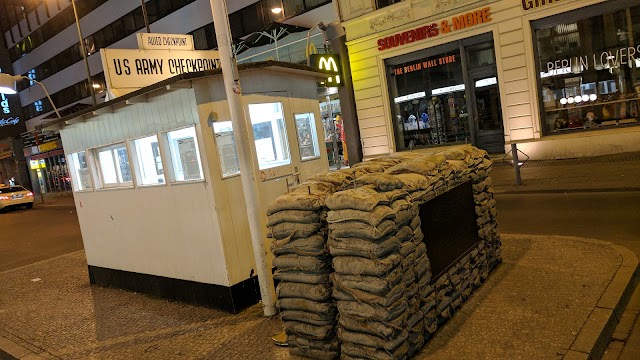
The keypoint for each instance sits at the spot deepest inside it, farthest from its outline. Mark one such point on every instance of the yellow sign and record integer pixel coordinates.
(329, 64)
(48, 146)
(35, 164)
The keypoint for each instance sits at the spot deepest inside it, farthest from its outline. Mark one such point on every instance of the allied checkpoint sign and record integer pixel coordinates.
(127, 70)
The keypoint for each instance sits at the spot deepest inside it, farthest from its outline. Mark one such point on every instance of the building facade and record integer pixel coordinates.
(559, 78)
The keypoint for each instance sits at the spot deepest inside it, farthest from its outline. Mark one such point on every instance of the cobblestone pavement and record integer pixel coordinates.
(532, 306)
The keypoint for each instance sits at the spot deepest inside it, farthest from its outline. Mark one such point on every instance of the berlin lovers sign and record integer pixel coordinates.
(127, 70)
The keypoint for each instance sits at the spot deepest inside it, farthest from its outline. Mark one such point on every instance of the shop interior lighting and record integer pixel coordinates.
(447, 89)
(563, 101)
(276, 10)
(593, 97)
(486, 82)
(570, 100)
(404, 98)
(96, 86)
(578, 99)
(585, 98)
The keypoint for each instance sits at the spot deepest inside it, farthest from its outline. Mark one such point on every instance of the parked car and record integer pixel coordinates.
(15, 196)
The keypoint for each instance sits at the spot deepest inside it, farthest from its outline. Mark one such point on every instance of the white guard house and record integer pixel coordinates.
(157, 187)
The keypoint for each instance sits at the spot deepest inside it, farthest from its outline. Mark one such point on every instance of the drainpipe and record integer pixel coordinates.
(240, 134)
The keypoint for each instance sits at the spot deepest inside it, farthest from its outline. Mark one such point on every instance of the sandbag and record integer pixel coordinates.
(296, 201)
(421, 249)
(362, 266)
(314, 353)
(309, 331)
(407, 262)
(415, 222)
(314, 187)
(395, 195)
(422, 265)
(373, 341)
(371, 284)
(379, 181)
(373, 218)
(418, 236)
(363, 198)
(413, 181)
(407, 248)
(362, 230)
(295, 216)
(336, 178)
(303, 342)
(405, 233)
(309, 264)
(383, 329)
(306, 305)
(320, 292)
(368, 167)
(363, 247)
(295, 230)
(420, 165)
(343, 293)
(371, 311)
(308, 317)
(364, 352)
(301, 277)
(310, 246)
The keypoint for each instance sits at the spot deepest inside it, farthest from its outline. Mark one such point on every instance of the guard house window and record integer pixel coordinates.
(150, 170)
(185, 157)
(113, 164)
(269, 134)
(428, 100)
(226, 145)
(307, 136)
(589, 68)
(81, 174)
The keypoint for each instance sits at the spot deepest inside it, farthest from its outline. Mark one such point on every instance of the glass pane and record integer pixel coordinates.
(226, 148)
(107, 167)
(122, 161)
(307, 136)
(429, 101)
(270, 135)
(80, 171)
(184, 154)
(590, 79)
(149, 161)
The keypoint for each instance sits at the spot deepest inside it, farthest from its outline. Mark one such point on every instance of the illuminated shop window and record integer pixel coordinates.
(589, 79)
(150, 170)
(113, 164)
(270, 135)
(307, 136)
(80, 173)
(185, 157)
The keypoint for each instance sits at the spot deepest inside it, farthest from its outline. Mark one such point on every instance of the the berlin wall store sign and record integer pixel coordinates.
(456, 23)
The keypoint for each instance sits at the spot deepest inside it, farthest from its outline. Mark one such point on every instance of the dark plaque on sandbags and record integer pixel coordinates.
(449, 227)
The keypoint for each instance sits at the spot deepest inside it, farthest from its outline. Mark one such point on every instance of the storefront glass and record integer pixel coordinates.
(589, 68)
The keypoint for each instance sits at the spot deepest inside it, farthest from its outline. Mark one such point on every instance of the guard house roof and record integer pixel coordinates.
(173, 81)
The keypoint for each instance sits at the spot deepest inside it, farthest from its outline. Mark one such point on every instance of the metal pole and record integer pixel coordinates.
(516, 163)
(48, 97)
(144, 14)
(240, 134)
(83, 50)
(336, 152)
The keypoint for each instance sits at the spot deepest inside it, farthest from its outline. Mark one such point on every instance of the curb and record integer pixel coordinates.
(9, 350)
(565, 191)
(594, 336)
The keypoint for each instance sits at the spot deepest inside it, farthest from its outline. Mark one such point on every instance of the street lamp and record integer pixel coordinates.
(8, 86)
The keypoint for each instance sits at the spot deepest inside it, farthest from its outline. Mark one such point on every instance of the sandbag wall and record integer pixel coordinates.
(361, 272)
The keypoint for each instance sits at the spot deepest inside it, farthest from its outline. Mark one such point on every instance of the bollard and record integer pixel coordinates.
(516, 165)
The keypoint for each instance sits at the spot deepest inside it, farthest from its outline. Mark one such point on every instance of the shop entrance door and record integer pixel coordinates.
(487, 113)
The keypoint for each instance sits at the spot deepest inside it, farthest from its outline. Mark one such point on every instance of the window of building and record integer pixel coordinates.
(227, 153)
(150, 170)
(589, 79)
(269, 134)
(185, 157)
(307, 136)
(428, 99)
(81, 175)
(113, 164)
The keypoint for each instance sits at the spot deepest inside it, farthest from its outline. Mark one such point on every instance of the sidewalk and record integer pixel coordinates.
(552, 297)
(619, 172)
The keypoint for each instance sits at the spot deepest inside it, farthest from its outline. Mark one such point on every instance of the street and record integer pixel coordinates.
(44, 232)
